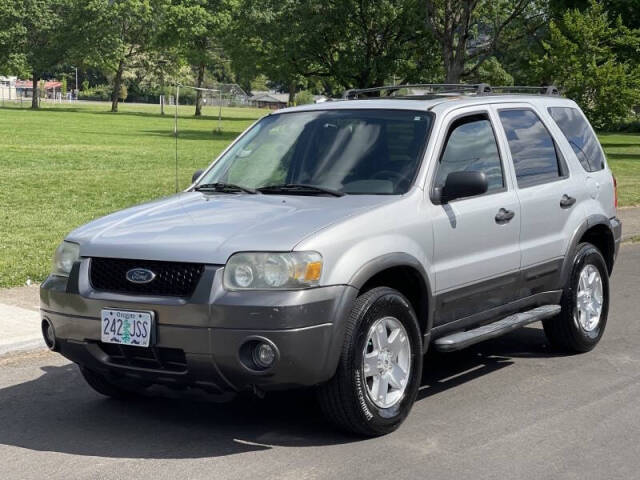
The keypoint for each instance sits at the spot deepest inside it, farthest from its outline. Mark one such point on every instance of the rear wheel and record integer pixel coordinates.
(380, 369)
(585, 304)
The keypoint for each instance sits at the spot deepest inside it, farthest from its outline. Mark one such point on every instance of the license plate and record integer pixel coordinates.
(126, 327)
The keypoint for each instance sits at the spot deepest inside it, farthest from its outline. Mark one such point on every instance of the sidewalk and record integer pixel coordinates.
(19, 319)
(19, 329)
(630, 217)
(19, 306)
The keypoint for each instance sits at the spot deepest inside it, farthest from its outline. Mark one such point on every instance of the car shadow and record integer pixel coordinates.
(58, 412)
(443, 371)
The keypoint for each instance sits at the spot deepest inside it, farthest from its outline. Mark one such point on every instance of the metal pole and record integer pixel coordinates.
(76, 83)
(175, 131)
(220, 112)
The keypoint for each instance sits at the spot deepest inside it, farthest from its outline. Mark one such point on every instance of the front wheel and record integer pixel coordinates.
(379, 373)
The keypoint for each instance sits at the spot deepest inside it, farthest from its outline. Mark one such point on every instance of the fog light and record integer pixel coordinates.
(264, 355)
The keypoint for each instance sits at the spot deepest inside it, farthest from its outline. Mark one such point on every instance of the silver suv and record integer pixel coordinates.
(331, 245)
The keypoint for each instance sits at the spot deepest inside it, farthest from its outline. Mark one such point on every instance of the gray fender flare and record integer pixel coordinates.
(399, 259)
(590, 222)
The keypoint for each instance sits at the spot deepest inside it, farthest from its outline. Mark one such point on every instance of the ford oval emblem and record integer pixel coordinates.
(140, 275)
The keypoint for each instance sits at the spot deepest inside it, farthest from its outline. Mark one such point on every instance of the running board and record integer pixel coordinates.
(460, 340)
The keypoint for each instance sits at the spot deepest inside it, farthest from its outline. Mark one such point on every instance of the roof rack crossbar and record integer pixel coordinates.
(449, 88)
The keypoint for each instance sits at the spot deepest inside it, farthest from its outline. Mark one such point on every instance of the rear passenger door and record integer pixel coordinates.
(548, 197)
(476, 256)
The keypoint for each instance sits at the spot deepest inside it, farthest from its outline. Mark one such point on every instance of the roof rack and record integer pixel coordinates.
(434, 89)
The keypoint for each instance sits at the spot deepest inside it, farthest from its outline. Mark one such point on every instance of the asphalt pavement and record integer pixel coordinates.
(510, 408)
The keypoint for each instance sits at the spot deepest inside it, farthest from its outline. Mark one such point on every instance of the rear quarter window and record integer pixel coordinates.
(532, 148)
(582, 140)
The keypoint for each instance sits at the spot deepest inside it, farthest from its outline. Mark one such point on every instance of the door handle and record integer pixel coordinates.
(504, 215)
(566, 201)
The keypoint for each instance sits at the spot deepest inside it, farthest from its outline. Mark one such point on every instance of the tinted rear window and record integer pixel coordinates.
(532, 149)
(582, 140)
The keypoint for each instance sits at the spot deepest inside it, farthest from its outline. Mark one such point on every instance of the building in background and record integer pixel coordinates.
(8, 88)
(24, 88)
(271, 100)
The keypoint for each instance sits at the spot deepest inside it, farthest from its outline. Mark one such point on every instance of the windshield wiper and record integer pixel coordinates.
(224, 187)
(300, 189)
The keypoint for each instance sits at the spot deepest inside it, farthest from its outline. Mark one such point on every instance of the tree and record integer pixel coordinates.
(628, 10)
(114, 33)
(304, 97)
(195, 27)
(33, 37)
(580, 56)
(348, 43)
(469, 32)
(365, 43)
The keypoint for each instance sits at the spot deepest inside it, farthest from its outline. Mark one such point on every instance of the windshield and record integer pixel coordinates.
(347, 151)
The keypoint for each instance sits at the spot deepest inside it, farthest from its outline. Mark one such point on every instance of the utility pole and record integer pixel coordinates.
(76, 81)
(162, 63)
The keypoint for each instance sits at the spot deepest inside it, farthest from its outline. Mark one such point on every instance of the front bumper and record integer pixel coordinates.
(198, 340)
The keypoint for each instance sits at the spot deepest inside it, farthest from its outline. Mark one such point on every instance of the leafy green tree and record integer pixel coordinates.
(580, 56)
(628, 10)
(33, 37)
(345, 44)
(195, 27)
(304, 97)
(114, 34)
(470, 32)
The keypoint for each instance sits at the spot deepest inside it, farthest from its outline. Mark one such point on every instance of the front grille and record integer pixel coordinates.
(151, 358)
(172, 278)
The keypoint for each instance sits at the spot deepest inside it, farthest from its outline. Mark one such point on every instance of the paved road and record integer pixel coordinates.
(506, 409)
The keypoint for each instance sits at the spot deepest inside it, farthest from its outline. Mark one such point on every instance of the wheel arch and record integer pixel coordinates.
(597, 231)
(406, 274)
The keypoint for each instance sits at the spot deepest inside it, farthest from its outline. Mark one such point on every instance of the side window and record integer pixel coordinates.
(471, 146)
(584, 143)
(532, 147)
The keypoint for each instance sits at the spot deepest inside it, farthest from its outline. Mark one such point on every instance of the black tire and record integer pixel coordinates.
(104, 386)
(344, 399)
(564, 332)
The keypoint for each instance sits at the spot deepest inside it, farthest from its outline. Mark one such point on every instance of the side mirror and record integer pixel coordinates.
(196, 175)
(463, 184)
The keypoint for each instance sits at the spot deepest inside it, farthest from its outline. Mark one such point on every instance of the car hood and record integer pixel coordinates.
(208, 228)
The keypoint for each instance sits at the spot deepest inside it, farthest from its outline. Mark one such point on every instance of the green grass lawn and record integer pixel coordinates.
(623, 154)
(65, 165)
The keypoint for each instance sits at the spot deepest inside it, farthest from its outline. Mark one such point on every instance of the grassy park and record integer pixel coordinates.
(64, 165)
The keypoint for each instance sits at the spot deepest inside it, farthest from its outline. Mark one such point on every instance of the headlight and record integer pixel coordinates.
(263, 270)
(66, 254)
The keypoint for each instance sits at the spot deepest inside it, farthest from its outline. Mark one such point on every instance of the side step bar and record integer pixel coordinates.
(460, 340)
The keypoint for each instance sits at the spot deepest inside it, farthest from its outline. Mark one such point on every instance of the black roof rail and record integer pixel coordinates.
(448, 88)
(434, 89)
